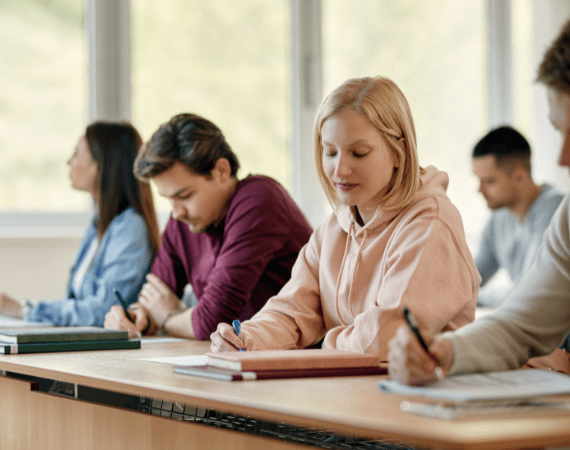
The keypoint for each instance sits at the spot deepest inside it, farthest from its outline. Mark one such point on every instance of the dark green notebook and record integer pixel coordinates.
(22, 335)
(74, 346)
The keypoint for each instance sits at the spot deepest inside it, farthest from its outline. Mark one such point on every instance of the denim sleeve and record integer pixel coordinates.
(122, 261)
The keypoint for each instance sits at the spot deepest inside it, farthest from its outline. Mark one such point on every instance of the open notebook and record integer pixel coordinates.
(491, 388)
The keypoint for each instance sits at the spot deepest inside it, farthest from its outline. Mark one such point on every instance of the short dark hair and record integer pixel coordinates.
(188, 138)
(507, 145)
(554, 71)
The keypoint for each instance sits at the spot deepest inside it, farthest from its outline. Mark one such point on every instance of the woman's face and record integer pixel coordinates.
(356, 160)
(83, 168)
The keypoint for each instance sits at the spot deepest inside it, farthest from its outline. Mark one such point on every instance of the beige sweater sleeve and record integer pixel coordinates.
(535, 317)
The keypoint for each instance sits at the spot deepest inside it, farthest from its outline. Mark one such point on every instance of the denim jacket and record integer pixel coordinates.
(121, 262)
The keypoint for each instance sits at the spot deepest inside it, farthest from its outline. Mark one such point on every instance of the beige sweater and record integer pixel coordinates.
(535, 316)
(349, 282)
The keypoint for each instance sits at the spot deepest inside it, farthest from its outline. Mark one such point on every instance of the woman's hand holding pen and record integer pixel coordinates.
(410, 364)
(224, 339)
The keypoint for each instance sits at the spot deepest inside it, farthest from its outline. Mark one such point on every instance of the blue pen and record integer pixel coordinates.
(237, 330)
(123, 304)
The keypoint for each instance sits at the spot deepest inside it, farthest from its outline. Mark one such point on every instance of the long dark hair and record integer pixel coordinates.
(114, 147)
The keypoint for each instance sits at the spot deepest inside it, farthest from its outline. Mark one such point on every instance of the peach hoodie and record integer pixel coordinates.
(349, 283)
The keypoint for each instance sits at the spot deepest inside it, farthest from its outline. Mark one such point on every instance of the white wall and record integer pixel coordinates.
(36, 267)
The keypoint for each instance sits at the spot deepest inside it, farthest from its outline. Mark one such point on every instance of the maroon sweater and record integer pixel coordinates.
(235, 268)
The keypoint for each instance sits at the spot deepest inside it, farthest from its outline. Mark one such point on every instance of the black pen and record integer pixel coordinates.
(414, 327)
(123, 304)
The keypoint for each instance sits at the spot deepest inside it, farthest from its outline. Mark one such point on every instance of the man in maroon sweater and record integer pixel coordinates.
(234, 241)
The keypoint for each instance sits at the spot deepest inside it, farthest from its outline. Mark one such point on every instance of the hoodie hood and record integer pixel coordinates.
(433, 183)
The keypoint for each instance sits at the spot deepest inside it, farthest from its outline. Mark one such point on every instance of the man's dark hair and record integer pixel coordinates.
(554, 71)
(507, 145)
(194, 141)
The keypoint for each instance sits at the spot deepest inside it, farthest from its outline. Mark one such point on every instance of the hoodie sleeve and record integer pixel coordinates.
(428, 270)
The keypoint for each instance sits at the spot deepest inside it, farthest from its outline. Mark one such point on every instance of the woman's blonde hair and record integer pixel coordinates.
(384, 105)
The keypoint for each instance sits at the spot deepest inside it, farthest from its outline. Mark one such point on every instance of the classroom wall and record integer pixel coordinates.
(36, 267)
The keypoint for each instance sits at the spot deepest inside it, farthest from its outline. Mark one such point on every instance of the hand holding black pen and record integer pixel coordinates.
(123, 303)
(414, 328)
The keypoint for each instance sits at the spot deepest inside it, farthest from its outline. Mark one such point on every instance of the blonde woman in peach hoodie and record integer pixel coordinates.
(393, 240)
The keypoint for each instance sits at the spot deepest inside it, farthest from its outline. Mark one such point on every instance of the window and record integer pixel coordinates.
(524, 72)
(230, 62)
(43, 103)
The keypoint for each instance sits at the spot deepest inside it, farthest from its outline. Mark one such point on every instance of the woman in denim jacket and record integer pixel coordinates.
(120, 244)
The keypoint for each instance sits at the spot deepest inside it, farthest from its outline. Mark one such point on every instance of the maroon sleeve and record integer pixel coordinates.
(261, 222)
(167, 264)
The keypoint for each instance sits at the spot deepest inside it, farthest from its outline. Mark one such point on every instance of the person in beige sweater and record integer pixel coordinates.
(394, 239)
(535, 317)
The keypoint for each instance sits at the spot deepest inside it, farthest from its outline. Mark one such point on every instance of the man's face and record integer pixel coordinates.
(495, 184)
(196, 200)
(559, 110)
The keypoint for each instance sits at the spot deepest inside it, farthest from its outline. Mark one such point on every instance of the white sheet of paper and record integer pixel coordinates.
(191, 360)
(11, 322)
(510, 386)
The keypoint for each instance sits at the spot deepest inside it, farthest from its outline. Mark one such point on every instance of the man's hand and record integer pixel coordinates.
(410, 364)
(10, 306)
(117, 320)
(158, 299)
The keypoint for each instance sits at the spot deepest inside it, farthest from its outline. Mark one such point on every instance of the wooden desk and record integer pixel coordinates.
(349, 406)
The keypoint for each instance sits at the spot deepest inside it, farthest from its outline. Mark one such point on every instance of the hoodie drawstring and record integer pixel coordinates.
(348, 240)
(358, 258)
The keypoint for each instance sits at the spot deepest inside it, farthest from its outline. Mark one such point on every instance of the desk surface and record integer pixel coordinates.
(346, 405)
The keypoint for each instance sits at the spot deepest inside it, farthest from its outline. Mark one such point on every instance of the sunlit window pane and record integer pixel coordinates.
(524, 73)
(43, 103)
(225, 60)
